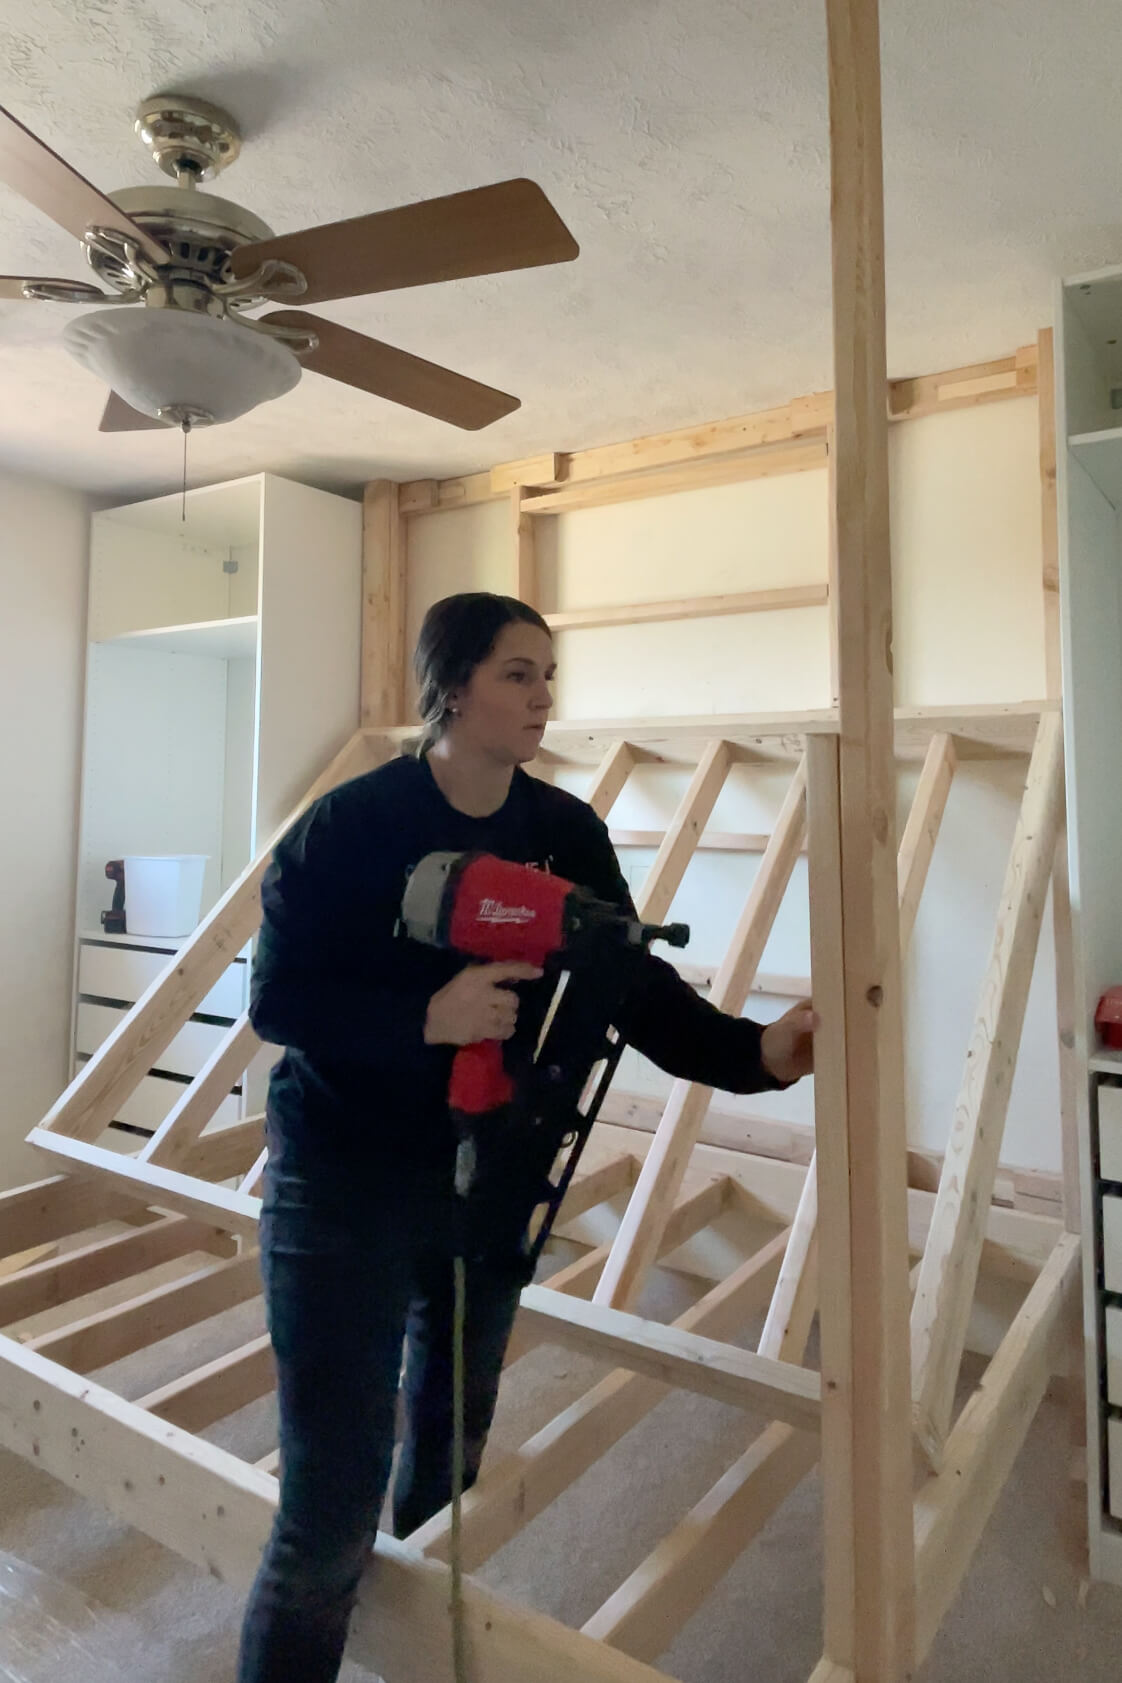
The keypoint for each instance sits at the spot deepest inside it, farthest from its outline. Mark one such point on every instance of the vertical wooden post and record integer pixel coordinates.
(525, 563)
(1061, 904)
(867, 1453)
(383, 606)
(832, 557)
(1046, 401)
(824, 882)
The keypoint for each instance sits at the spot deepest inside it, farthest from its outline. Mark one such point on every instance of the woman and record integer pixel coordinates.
(357, 1204)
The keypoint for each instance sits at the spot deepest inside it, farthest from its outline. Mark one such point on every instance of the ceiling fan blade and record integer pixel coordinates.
(48, 182)
(120, 416)
(11, 286)
(485, 231)
(397, 375)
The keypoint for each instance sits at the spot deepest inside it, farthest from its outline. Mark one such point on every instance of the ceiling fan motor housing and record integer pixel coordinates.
(188, 137)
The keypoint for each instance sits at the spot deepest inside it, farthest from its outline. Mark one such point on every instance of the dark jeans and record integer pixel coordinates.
(343, 1288)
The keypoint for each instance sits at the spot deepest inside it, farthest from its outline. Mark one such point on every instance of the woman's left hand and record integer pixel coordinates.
(787, 1045)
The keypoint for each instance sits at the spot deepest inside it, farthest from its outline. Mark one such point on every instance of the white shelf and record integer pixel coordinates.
(221, 639)
(1101, 454)
(1106, 1062)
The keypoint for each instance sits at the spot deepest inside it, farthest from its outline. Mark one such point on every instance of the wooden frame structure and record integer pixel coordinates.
(142, 1459)
(909, 1480)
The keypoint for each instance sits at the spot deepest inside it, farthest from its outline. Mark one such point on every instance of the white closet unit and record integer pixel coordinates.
(1089, 480)
(222, 674)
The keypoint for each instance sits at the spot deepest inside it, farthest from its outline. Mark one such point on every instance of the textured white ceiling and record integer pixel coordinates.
(684, 142)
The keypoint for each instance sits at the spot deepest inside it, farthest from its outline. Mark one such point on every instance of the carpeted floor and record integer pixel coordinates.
(84, 1599)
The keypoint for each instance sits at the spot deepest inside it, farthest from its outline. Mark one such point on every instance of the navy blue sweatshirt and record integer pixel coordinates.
(335, 982)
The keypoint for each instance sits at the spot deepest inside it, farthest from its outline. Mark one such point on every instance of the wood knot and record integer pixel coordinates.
(875, 996)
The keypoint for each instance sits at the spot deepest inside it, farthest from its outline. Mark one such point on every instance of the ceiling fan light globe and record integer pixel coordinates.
(159, 360)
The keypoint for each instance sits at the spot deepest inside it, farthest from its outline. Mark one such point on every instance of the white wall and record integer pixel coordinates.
(43, 550)
(968, 629)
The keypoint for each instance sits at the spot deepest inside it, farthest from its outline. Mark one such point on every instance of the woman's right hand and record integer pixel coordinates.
(477, 1004)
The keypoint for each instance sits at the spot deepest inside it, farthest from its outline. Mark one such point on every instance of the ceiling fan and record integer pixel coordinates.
(193, 355)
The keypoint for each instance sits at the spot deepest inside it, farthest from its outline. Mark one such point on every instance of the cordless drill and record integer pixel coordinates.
(491, 910)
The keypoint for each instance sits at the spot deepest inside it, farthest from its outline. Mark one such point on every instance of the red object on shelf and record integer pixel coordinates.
(1108, 1017)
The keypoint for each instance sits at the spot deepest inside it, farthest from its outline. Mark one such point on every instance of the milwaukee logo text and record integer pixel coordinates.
(493, 911)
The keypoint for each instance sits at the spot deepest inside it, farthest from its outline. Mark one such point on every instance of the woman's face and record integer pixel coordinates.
(503, 708)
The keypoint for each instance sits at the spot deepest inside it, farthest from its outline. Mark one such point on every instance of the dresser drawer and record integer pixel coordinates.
(186, 1055)
(1114, 1356)
(127, 972)
(1114, 1467)
(1110, 1131)
(1112, 1242)
(147, 1107)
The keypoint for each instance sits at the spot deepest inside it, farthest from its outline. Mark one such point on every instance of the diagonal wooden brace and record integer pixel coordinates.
(949, 1270)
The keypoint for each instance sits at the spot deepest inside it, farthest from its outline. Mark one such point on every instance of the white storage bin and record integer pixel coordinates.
(163, 892)
(1110, 1131)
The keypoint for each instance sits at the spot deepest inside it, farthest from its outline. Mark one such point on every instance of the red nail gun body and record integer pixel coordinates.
(494, 911)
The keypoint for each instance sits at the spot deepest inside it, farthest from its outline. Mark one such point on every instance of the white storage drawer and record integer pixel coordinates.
(127, 972)
(1112, 1242)
(186, 1055)
(1114, 1356)
(1114, 1467)
(147, 1107)
(1110, 1131)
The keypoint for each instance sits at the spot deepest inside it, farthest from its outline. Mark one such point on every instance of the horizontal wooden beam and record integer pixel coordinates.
(692, 607)
(552, 468)
(216, 1512)
(989, 731)
(803, 418)
(1033, 1190)
(771, 982)
(676, 1357)
(103, 1262)
(964, 388)
(197, 1399)
(770, 463)
(428, 496)
(714, 841)
(164, 1189)
(54, 1208)
(110, 1334)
